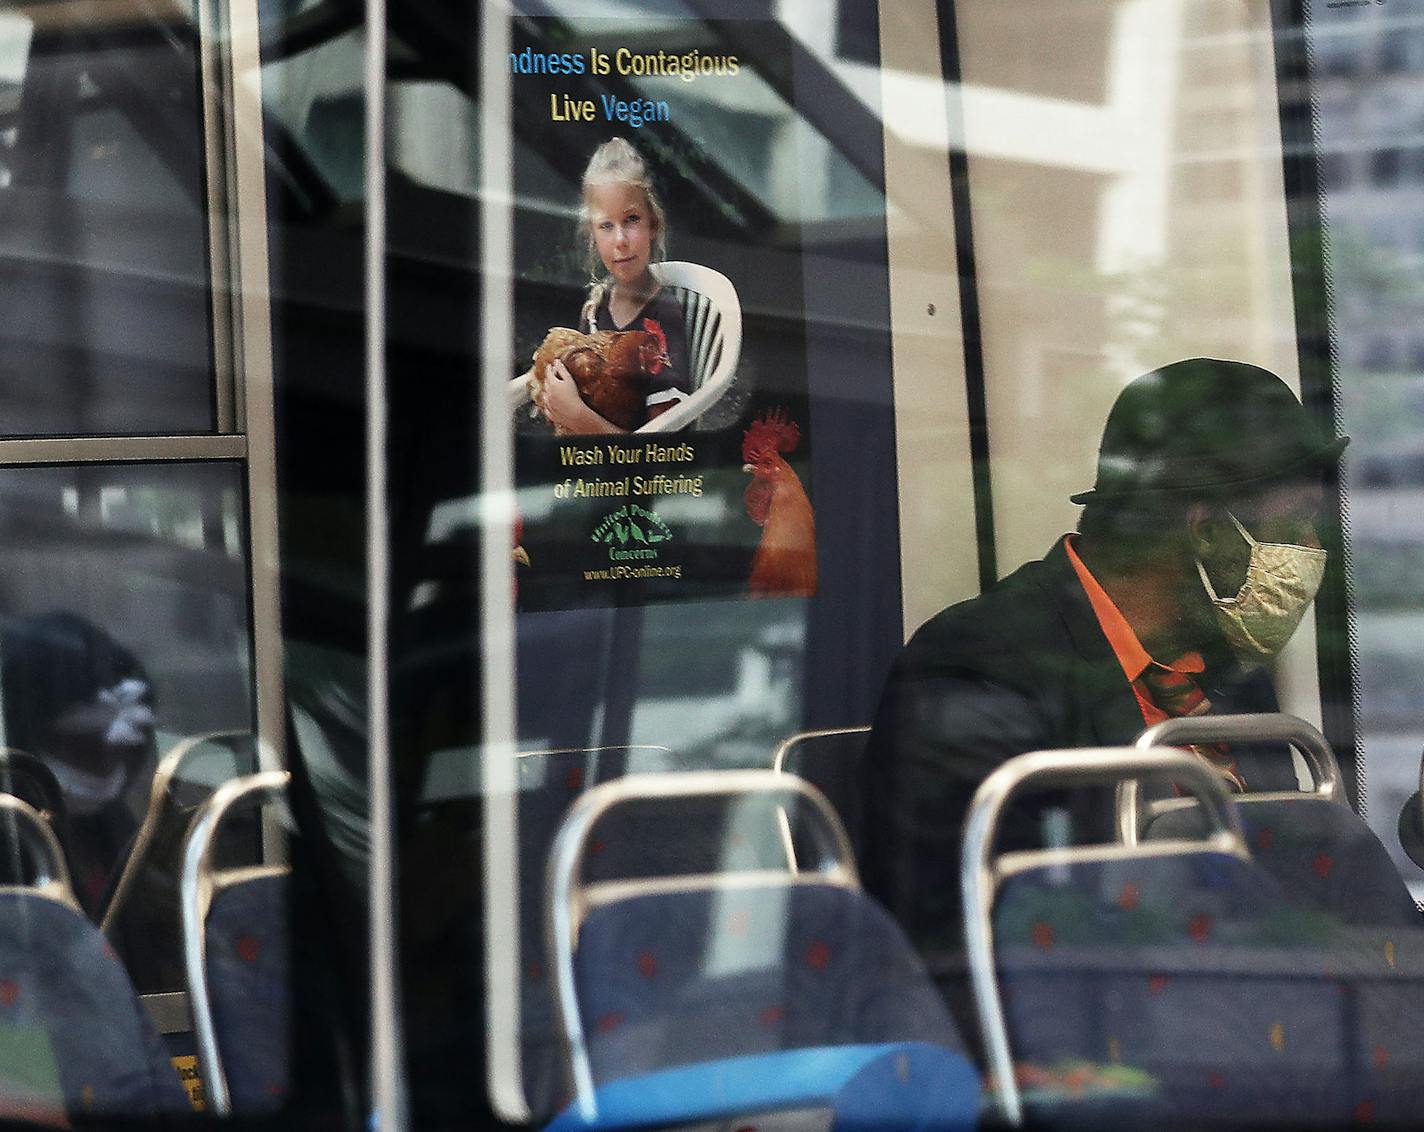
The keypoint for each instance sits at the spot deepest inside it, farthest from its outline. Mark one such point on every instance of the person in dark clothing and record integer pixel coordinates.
(79, 700)
(1196, 556)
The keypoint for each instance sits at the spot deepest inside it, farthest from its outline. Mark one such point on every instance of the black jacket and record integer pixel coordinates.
(1023, 667)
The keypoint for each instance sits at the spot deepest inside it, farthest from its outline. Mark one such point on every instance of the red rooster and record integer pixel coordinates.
(610, 368)
(785, 560)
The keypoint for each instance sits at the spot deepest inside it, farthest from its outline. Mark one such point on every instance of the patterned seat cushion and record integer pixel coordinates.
(69, 1018)
(1322, 853)
(248, 965)
(670, 979)
(1231, 1001)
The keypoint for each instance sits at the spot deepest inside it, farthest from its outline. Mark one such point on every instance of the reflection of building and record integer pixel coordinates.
(1371, 114)
(1369, 63)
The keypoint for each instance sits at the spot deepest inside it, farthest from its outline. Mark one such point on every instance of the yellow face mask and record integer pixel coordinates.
(1281, 581)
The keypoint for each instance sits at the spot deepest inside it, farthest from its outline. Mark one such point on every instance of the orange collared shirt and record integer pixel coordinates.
(1125, 645)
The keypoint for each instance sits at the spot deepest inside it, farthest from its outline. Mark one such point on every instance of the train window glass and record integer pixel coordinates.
(449, 162)
(105, 272)
(680, 635)
(1361, 101)
(314, 97)
(124, 630)
(145, 863)
(912, 262)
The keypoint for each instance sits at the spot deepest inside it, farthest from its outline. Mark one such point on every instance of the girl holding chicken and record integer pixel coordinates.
(626, 229)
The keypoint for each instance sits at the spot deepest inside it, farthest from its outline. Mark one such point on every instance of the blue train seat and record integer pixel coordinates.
(731, 995)
(1130, 984)
(74, 1040)
(1323, 853)
(237, 954)
(139, 914)
(550, 782)
(629, 842)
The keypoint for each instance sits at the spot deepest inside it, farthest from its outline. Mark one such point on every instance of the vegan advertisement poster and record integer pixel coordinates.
(660, 411)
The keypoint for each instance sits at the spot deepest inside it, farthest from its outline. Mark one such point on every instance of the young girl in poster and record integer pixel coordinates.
(626, 229)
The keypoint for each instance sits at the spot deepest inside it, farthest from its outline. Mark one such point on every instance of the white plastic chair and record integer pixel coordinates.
(713, 315)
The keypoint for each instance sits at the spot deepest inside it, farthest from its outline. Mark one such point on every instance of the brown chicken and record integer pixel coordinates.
(611, 369)
(785, 560)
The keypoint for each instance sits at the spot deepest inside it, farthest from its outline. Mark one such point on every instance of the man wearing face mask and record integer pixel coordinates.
(80, 701)
(1196, 557)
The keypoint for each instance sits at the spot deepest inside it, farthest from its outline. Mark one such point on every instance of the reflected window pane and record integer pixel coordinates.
(1366, 98)
(104, 293)
(123, 628)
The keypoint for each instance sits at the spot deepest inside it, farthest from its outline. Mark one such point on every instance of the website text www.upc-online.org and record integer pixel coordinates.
(631, 573)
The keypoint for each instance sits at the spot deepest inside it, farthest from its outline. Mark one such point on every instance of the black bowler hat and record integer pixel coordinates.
(1206, 424)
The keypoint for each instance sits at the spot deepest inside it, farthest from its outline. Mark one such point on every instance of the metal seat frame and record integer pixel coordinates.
(982, 873)
(199, 884)
(570, 900)
(1133, 816)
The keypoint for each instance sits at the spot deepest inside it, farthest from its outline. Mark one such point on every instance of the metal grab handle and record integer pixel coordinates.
(52, 874)
(195, 895)
(563, 886)
(793, 742)
(1273, 727)
(978, 878)
(163, 777)
(1266, 727)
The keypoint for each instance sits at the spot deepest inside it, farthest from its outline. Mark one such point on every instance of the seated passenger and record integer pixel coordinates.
(1196, 556)
(83, 703)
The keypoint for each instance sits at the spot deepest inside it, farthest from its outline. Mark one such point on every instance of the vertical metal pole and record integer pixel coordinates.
(219, 149)
(235, 155)
(388, 1102)
(497, 768)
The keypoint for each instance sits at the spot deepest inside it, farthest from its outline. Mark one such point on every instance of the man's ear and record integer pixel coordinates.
(1203, 528)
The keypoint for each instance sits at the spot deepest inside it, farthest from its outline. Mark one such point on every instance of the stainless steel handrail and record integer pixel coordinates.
(565, 896)
(163, 776)
(979, 879)
(1272, 727)
(778, 764)
(196, 886)
(791, 742)
(52, 875)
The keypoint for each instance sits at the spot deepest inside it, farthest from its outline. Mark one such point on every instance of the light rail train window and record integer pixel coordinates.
(887, 587)
(1363, 107)
(162, 869)
(104, 269)
(871, 562)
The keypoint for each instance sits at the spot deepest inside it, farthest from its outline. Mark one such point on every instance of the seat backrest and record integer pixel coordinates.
(572, 898)
(1174, 979)
(1186, 977)
(236, 956)
(1262, 738)
(140, 916)
(1048, 900)
(709, 972)
(766, 996)
(1321, 852)
(30, 779)
(830, 761)
(76, 1039)
(713, 316)
(247, 946)
(550, 781)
